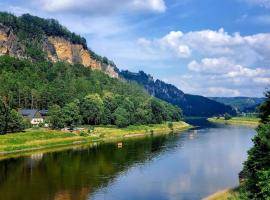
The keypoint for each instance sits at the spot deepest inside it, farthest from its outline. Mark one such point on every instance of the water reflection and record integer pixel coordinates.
(186, 166)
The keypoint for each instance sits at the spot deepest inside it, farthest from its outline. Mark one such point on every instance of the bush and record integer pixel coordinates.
(227, 116)
(170, 125)
(83, 134)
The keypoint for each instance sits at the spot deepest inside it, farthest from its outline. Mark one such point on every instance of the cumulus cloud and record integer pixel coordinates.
(221, 91)
(100, 6)
(219, 62)
(253, 48)
(262, 3)
(223, 77)
(262, 19)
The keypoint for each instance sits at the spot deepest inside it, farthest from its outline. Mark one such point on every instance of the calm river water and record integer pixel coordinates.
(187, 166)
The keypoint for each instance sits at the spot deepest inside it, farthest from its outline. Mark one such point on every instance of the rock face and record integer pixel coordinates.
(57, 49)
(192, 105)
(9, 44)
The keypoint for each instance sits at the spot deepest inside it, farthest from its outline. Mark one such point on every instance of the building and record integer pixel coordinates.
(33, 115)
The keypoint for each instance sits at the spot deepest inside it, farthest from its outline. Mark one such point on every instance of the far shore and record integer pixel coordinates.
(245, 121)
(224, 195)
(46, 140)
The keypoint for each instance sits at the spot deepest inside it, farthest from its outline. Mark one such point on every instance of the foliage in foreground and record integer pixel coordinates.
(10, 120)
(256, 172)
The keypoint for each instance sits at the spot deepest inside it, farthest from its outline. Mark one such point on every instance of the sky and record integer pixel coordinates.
(204, 47)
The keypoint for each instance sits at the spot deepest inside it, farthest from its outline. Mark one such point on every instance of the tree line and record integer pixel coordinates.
(98, 98)
(111, 109)
(256, 173)
(10, 120)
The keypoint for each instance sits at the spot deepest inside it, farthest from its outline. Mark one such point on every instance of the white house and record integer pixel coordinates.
(33, 115)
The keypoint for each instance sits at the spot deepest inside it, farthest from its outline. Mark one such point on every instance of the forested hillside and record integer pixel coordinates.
(192, 105)
(241, 104)
(41, 39)
(86, 96)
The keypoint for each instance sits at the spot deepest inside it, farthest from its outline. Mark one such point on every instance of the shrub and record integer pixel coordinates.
(170, 125)
(227, 116)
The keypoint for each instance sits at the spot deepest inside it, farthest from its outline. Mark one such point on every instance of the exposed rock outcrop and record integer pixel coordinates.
(9, 44)
(57, 49)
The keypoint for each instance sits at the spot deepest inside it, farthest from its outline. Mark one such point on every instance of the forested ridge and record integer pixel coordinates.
(31, 31)
(78, 95)
(192, 105)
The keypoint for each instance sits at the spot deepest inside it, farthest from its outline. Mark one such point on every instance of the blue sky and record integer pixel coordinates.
(209, 47)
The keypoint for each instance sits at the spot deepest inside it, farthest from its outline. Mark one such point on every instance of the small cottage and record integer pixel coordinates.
(33, 115)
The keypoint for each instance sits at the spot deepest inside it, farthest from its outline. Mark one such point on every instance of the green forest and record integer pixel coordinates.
(256, 172)
(77, 95)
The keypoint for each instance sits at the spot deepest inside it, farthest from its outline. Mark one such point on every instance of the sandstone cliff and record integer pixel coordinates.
(56, 48)
(9, 44)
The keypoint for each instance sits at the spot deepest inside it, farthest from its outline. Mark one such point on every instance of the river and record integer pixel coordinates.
(186, 166)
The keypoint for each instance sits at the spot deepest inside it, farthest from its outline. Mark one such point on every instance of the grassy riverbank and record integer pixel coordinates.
(248, 121)
(36, 139)
(229, 194)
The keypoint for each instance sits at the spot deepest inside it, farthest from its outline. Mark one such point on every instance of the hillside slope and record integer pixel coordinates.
(241, 104)
(192, 105)
(40, 39)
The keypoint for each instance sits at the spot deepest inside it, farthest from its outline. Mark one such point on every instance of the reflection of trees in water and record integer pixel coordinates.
(74, 174)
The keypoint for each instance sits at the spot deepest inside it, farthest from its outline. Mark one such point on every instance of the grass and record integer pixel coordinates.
(248, 121)
(36, 139)
(229, 194)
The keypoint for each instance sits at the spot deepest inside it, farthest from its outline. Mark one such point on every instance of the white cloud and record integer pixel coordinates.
(261, 3)
(262, 80)
(170, 43)
(18, 10)
(100, 6)
(253, 48)
(263, 19)
(221, 91)
(237, 64)
(154, 5)
(225, 67)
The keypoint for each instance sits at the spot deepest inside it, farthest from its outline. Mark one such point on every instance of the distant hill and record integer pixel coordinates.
(241, 104)
(192, 105)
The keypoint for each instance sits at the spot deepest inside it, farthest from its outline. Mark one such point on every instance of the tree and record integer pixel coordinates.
(110, 104)
(92, 109)
(227, 116)
(157, 110)
(4, 115)
(121, 117)
(265, 109)
(170, 126)
(256, 172)
(15, 122)
(10, 120)
(56, 117)
(71, 112)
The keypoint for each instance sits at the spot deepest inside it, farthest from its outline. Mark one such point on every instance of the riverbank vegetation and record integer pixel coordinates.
(249, 121)
(255, 176)
(40, 138)
(256, 173)
(229, 194)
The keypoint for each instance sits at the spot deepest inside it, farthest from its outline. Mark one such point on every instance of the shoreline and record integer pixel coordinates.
(224, 194)
(236, 121)
(19, 144)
